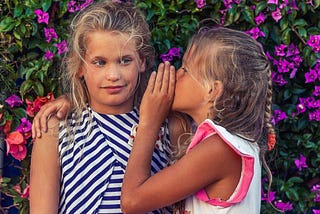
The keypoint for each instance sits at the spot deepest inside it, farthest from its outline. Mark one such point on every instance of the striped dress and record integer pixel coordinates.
(93, 161)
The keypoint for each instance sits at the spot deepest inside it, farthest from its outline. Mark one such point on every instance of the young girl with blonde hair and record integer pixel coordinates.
(78, 165)
(224, 84)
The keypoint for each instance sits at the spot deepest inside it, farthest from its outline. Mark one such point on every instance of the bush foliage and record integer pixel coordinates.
(33, 40)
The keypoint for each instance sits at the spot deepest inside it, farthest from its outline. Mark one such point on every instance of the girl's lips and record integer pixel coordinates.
(113, 89)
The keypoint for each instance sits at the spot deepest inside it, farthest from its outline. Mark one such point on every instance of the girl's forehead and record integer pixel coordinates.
(111, 42)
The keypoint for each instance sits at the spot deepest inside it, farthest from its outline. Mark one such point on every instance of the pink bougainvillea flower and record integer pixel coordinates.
(314, 43)
(25, 193)
(256, 33)
(276, 15)
(280, 50)
(33, 107)
(269, 199)
(14, 101)
(173, 52)
(16, 145)
(260, 18)
(272, 2)
(43, 17)
(86, 3)
(311, 76)
(25, 128)
(50, 33)
(301, 162)
(316, 91)
(278, 116)
(62, 47)
(49, 56)
(200, 3)
(283, 206)
(316, 211)
(73, 7)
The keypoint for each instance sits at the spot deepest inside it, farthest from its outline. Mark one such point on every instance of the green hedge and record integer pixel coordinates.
(33, 35)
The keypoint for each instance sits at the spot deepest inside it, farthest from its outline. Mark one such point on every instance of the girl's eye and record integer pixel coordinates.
(125, 61)
(99, 62)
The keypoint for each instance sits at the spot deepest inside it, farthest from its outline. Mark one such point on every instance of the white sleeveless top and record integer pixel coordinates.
(247, 196)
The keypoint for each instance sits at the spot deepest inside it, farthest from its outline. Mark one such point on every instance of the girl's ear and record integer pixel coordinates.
(143, 65)
(215, 90)
(80, 73)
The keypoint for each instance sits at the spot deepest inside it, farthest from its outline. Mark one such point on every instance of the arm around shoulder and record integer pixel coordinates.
(45, 171)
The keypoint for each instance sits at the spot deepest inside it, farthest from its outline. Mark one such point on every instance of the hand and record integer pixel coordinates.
(158, 97)
(60, 107)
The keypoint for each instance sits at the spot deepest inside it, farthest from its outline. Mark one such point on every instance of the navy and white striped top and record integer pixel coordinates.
(94, 158)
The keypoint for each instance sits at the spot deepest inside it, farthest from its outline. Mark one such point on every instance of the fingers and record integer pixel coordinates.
(165, 79)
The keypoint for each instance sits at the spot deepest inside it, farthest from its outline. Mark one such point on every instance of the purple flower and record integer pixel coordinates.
(314, 115)
(25, 126)
(316, 211)
(86, 3)
(292, 50)
(277, 116)
(50, 33)
(301, 162)
(314, 42)
(173, 52)
(73, 6)
(14, 101)
(49, 56)
(62, 47)
(311, 76)
(316, 91)
(43, 17)
(278, 79)
(276, 15)
(283, 206)
(301, 108)
(200, 3)
(260, 19)
(269, 199)
(280, 50)
(272, 2)
(255, 33)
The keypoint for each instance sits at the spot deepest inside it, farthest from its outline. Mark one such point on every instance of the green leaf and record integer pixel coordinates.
(248, 15)
(46, 4)
(300, 22)
(7, 24)
(302, 32)
(26, 86)
(260, 7)
(38, 88)
(17, 10)
(285, 37)
(295, 180)
(19, 112)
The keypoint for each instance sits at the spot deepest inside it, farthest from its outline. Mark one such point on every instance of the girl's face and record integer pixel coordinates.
(189, 92)
(111, 70)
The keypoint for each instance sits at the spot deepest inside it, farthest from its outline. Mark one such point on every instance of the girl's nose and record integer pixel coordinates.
(112, 73)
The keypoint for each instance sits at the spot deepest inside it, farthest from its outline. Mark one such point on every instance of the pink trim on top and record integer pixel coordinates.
(205, 130)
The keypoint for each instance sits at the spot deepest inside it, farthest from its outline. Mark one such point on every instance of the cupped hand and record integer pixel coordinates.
(158, 97)
(58, 107)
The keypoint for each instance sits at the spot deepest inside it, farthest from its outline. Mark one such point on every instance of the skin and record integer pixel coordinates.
(111, 78)
(211, 165)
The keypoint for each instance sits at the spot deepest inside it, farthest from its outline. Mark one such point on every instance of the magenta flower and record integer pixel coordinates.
(25, 127)
(314, 115)
(73, 7)
(43, 17)
(314, 42)
(62, 47)
(283, 206)
(280, 50)
(14, 101)
(200, 3)
(260, 19)
(301, 162)
(311, 76)
(50, 33)
(49, 56)
(272, 2)
(278, 116)
(278, 79)
(173, 52)
(316, 91)
(292, 50)
(269, 199)
(316, 211)
(276, 15)
(255, 33)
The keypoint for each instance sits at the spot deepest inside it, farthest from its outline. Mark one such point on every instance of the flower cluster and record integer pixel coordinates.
(51, 35)
(173, 52)
(74, 6)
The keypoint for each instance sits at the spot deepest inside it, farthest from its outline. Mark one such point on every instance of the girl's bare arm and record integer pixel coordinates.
(45, 172)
